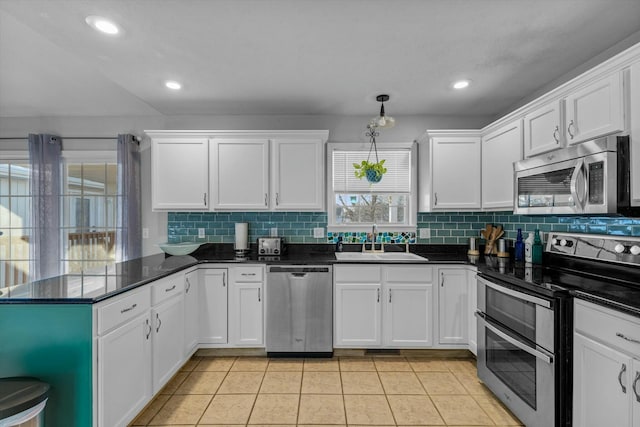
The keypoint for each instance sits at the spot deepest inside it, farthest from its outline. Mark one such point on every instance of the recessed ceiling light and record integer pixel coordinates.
(171, 84)
(103, 25)
(461, 84)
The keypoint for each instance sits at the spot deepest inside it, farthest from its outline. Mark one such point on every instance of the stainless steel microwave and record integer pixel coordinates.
(589, 178)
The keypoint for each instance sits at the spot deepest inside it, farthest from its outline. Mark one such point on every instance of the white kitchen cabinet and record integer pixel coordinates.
(471, 312)
(455, 165)
(123, 368)
(595, 110)
(453, 306)
(191, 312)
(544, 129)
(407, 310)
(297, 175)
(606, 367)
(213, 306)
(240, 173)
(500, 149)
(179, 173)
(634, 131)
(246, 309)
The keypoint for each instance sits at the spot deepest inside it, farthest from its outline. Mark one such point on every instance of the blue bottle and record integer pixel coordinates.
(519, 247)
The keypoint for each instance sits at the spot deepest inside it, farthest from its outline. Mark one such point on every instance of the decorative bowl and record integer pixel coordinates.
(183, 248)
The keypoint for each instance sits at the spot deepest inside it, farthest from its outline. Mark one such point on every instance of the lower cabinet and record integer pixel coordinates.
(213, 305)
(191, 312)
(453, 305)
(167, 345)
(606, 367)
(382, 305)
(471, 312)
(246, 312)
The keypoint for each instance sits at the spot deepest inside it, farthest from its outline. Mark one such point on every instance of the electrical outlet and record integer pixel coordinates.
(318, 232)
(273, 232)
(425, 233)
(145, 233)
(200, 233)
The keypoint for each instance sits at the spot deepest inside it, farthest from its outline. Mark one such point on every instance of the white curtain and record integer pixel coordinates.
(44, 244)
(129, 213)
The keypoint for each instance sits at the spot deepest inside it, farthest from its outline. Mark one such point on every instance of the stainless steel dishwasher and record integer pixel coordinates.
(299, 302)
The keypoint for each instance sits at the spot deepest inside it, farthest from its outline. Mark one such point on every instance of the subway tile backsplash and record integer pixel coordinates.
(446, 227)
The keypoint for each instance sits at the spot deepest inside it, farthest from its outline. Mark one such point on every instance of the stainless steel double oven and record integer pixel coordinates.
(522, 350)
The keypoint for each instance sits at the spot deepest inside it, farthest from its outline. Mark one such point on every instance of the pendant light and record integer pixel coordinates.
(383, 121)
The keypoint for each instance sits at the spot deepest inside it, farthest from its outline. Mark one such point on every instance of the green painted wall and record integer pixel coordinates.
(51, 342)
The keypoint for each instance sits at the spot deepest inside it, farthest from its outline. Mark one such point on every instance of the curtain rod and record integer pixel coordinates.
(72, 137)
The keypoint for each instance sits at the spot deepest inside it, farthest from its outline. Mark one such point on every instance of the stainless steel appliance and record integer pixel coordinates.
(589, 178)
(270, 246)
(299, 300)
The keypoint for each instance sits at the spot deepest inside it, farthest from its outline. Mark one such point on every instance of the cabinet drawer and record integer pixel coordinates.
(248, 274)
(124, 308)
(408, 274)
(606, 325)
(166, 288)
(357, 273)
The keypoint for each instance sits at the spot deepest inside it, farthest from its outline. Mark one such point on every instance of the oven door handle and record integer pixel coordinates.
(516, 294)
(532, 351)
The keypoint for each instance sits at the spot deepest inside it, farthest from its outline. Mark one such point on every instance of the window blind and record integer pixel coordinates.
(396, 180)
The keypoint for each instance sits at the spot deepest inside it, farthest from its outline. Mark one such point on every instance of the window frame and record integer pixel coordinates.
(365, 146)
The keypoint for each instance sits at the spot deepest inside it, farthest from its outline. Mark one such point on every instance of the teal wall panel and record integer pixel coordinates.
(53, 343)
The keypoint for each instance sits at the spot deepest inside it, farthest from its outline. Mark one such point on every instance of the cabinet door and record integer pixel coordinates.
(180, 174)
(595, 110)
(473, 306)
(297, 176)
(167, 347)
(456, 172)
(191, 312)
(213, 306)
(499, 150)
(543, 129)
(240, 174)
(634, 123)
(247, 312)
(124, 372)
(635, 398)
(358, 314)
(602, 385)
(407, 315)
(453, 306)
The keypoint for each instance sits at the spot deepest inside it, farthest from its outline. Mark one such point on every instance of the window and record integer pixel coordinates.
(355, 204)
(15, 221)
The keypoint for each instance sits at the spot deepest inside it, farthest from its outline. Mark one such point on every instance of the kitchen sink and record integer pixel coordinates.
(379, 256)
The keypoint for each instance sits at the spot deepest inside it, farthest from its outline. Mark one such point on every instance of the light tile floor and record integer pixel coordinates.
(354, 391)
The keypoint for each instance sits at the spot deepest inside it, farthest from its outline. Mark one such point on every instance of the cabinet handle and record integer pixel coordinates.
(277, 199)
(247, 274)
(556, 134)
(435, 199)
(266, 199)
(571, 135)
(623, 369)
(635, 386)
(378, 294)
(624, 337)
(149, 330)
(124, 310)
(188, 284)
(170, 289)
(204, 196)
(259, 299)
(159, 323)
(389, 295)
(442, 280)
(224, 279)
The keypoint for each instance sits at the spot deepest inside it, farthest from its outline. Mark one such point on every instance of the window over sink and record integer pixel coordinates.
(355, 204)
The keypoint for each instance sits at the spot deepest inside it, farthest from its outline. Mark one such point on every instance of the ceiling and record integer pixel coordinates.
(295, 57)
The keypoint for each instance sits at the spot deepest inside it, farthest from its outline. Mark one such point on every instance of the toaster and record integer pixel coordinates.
(270, 245)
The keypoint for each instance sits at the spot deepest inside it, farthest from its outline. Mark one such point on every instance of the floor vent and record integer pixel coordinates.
(382, 352)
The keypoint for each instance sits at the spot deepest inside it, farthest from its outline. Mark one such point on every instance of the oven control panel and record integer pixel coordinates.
(595, 246)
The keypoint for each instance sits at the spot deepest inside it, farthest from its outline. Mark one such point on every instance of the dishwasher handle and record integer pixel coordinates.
(300, 269)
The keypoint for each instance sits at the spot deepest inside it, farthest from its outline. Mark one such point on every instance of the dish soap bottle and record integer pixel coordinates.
(528, 244)
(519, 247)
(536, 249)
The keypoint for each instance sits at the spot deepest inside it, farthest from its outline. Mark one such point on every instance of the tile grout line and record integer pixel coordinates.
(216, 392)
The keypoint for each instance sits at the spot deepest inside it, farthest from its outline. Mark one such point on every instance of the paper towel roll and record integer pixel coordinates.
(242, 236)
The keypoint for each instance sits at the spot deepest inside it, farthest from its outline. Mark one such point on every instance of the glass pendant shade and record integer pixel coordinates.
(383, 121)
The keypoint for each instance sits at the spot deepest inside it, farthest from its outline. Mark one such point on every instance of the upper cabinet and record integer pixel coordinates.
(500, 149)
(179, 173)
(634, 130)
(595, 110)
(243, 170)
(455, 170)
(543, 129)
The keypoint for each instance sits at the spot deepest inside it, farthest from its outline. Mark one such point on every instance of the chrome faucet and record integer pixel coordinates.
(374, 233)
